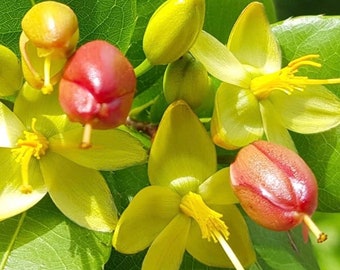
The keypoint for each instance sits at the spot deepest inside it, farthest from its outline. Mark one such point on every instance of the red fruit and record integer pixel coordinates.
(97, 86)
(275, 187)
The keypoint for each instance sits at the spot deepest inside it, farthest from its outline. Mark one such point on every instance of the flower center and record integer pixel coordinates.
(34, 144)
(209, 221)
(211, 225)
(285, 80)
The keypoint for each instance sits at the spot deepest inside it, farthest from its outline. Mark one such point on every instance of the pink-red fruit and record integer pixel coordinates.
(97, 86)
(275, 187)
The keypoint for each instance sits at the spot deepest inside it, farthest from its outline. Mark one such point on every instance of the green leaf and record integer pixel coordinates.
(221, 15)
(44, 238)
(276, 250)
(317, 35)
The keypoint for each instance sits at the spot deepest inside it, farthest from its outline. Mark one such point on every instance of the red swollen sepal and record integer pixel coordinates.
(97, 86)
(275, 187)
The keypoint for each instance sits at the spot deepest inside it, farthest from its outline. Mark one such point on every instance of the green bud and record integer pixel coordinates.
(172, 30)
(186, 79)
(10, 72)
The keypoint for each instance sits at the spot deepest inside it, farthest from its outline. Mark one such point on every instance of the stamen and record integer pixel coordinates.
(34, 144)
(47, 87)
(210, 223)
(284, 80)
(320, 236)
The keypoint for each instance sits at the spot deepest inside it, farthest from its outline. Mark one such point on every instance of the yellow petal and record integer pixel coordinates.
(32, 103)
(236, 119)
(149, 212)
(10, 72)
(80, 193)
(181, 148)
(313, 110)
(12, 200)
(219, 61)
(111, 149)
(167, 251)
(33, 64)
(252, 41)
(217, 189)
(211, 253)
(11, 128)
(273, 126)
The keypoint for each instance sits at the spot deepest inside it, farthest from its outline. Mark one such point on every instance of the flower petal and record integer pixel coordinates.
(11, 128)
(217, 189)
(31, 102)
(236, 120)
(111, 149)
(167, 251)
(313, 110)
(149, 212)
(211, 253)
(12, 200)
(181, 148)
(219, 61)
(252, 41)
(80, 193)
(273, 126)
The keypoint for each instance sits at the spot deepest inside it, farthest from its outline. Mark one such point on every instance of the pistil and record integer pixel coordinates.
(47, 87)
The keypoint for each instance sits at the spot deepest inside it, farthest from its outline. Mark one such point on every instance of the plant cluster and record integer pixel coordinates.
(71, 115)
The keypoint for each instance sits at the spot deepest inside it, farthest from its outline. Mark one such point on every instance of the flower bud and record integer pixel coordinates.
(172, 30)
(52, 27)
(10, 72)
(275, 187)
(186, 79)
(97, 86)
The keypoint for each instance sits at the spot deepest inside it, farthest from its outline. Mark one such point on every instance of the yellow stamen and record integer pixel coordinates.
(320, 236)
(285, 79)
(210, 223)
(47, 87)
(34, 144)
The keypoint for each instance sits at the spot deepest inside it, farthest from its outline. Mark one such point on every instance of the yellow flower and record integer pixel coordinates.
(189, 206)
(40, 153)
(50, 35)
(258, 98)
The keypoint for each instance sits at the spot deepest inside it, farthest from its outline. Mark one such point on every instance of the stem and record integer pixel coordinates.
(143, 68)
(86, 141)
(230, 253)
(320, 236)
(32, 2)
(11, 244)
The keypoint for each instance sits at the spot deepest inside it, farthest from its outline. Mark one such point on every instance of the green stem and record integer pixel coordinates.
(11, 244)
(143, 68)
